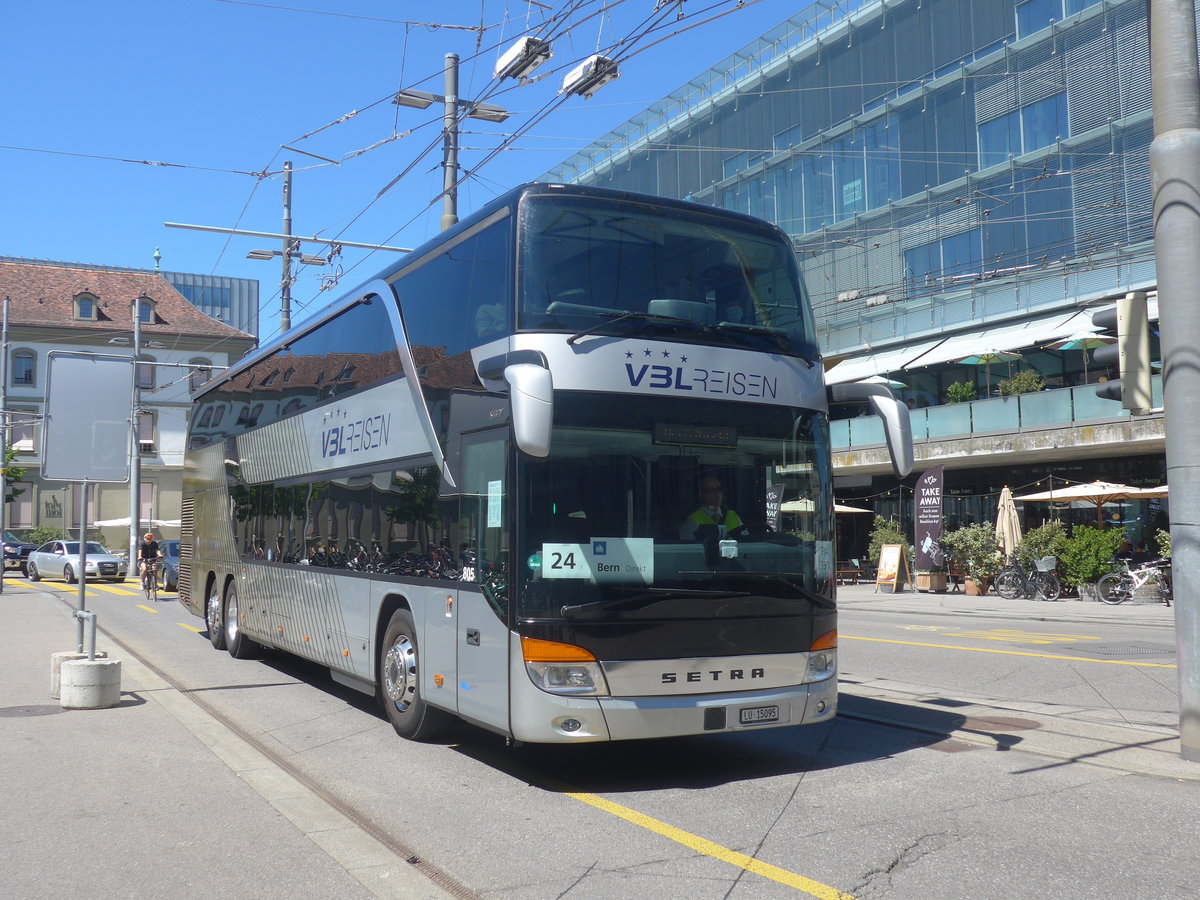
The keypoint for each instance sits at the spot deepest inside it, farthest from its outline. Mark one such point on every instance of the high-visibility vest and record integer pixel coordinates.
(701, 516)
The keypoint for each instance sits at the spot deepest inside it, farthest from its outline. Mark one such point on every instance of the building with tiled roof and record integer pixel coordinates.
(76, 308)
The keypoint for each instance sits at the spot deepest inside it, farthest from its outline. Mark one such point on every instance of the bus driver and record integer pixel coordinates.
(711, 512)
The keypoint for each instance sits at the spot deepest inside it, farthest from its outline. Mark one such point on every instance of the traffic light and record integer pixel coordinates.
(1130, 354)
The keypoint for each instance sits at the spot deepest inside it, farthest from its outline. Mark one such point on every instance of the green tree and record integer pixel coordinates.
(12, 474)
(960, 392)
(1027, 381)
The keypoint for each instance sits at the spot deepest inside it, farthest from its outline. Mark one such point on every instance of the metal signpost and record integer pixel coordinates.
(85, 437)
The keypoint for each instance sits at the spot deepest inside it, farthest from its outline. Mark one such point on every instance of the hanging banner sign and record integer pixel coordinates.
(927, 516)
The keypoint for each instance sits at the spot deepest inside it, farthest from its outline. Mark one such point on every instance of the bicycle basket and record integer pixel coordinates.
(1047, 564)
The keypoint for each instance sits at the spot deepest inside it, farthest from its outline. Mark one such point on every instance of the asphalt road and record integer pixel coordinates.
(964, 764)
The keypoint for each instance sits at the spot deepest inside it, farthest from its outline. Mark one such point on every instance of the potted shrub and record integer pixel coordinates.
(1027, 381)
(960, 392)
(974, 546)
(933, 580)
(1088, 555)
(1046, 540)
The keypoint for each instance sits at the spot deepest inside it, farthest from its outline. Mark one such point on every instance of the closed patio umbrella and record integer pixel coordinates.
(1008, 524)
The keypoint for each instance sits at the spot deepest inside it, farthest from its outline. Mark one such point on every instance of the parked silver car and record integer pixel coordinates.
(60, 559)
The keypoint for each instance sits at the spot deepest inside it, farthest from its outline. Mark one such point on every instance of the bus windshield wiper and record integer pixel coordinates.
(780, 337)
(618, 315)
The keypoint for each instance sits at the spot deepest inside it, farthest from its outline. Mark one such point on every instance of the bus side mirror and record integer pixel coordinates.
(532, 401)
(897, 429)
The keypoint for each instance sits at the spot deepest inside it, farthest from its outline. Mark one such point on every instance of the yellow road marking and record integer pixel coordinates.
(1021, 637)
(189, 627)
(716, 851)
(1110, 662)
(149, 609)
(110, 589)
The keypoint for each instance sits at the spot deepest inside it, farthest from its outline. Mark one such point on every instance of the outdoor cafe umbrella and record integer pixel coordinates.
(1008, 524)
(1085, 341)
(1097, 492)
(985, 358)
(804, 505)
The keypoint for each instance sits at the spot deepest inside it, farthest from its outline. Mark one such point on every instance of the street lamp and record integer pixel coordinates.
(485, 111)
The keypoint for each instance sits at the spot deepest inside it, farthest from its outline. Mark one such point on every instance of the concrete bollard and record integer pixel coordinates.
(56, 661)
(90, 683)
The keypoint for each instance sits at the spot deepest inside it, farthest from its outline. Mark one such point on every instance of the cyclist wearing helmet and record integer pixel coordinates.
(148, 550)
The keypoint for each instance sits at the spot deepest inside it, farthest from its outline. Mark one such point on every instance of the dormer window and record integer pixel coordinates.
(85, 307)
(145, 310)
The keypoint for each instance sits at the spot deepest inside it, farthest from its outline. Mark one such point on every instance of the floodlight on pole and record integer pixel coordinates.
(415, 99)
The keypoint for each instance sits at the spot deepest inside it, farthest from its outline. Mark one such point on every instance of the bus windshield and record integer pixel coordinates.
(630, 516)
(592, 266)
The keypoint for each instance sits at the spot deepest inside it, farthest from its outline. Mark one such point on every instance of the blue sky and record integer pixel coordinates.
(213, 88)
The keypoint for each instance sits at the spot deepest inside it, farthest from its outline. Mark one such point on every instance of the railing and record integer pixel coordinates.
(1026, 412)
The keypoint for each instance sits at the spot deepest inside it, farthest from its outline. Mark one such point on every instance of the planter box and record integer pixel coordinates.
(931, 582)
(974, 588)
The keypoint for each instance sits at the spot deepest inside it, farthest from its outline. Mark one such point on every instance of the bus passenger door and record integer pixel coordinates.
(485, 528)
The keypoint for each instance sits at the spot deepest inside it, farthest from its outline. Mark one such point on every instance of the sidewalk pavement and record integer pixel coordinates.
(865, 596)
(154, 797)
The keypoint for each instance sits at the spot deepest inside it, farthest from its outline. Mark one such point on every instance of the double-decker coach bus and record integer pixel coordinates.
(473, 486)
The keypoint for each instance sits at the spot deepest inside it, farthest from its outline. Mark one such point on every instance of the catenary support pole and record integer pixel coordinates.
(4, 431)
(450, 145)
(1175, 178)
(135, 449)
(285, 282)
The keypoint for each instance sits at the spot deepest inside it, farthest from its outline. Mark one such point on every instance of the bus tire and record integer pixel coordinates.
(239, 646)
(400, 682)
(214, 619)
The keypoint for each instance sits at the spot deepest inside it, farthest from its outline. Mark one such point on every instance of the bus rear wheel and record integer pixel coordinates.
(214, 620)
(400, 682)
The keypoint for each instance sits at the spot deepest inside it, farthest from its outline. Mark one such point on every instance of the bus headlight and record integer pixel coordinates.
(822, 658)
(562, 668)
(821, 665)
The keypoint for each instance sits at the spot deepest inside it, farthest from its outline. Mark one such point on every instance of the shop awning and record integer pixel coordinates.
(877, 363)
(1033, 333)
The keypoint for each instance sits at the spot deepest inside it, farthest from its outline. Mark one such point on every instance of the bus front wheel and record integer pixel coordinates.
(399, 682)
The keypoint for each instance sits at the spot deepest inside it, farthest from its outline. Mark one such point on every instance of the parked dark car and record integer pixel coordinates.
(16, 552)
(168, 568)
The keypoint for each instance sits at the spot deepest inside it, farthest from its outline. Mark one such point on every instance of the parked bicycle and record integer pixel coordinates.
(1117, 587)
(1013, 581)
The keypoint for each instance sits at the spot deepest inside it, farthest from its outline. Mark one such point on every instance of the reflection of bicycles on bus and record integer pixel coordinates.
(1117, 587)
(1013, 581)
(150, 580)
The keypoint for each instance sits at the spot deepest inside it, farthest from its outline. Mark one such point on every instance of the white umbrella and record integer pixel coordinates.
(1008, 524)
(804, 505)
(1097, 492)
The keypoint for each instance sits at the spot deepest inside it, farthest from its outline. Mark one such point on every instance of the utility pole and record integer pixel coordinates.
(135, 448)
(450, 144)
(1175, 178)
(285, 284)
(4, 431)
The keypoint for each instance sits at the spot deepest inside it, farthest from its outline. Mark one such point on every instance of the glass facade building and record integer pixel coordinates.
(943, 169)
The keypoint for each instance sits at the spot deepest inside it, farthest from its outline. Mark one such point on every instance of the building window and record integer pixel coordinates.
(200, 372)
(24, 368)
(85, 307)
(146, 441)
(145, 310)
(1034, 15)
(20, 508)
(22, 430)
(1024, 130)
(957, 257)
(145, 374)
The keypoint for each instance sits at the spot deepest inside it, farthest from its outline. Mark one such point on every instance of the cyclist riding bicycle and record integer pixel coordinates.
(148, 552)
